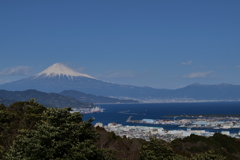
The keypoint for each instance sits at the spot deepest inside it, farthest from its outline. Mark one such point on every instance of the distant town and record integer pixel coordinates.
(191, 121)
(200, 122)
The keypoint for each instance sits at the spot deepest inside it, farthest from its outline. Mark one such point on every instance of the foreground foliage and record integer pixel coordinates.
(30, 131)
(159, 150)
(219, 144)
(19, 115)
(123, 148)
(59, 135)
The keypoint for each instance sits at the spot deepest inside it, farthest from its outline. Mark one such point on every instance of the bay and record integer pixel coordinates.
(119, 113)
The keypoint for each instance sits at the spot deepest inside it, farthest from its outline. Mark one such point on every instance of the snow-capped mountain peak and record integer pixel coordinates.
(59, 69)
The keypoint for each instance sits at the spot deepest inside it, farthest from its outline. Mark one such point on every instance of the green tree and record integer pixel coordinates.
(59, 135)
(157, 149)
(208, 156)
(19, 115)
(2, 106)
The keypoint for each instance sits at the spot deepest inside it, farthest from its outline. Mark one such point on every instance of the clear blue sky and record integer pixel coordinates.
(156, 43)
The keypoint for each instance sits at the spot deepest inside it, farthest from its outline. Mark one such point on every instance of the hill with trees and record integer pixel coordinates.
(83, 97)
(47, 99)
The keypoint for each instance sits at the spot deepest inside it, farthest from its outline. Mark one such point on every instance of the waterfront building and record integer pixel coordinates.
(145, 132)
(150, 121)
(98, 125)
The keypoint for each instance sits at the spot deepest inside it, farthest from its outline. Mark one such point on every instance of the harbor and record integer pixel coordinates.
(206, 117)
(216, 122)
(145, 132)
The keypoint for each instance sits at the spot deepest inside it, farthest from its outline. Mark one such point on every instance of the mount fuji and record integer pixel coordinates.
(59, 77)
(58, 70)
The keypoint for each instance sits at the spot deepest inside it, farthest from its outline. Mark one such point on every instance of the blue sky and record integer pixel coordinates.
(157, 43)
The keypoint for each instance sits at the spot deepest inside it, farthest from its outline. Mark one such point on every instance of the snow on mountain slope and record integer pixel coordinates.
(59, 69)
(58, 78)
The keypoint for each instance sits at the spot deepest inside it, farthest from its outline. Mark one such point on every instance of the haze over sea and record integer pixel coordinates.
(160, 110)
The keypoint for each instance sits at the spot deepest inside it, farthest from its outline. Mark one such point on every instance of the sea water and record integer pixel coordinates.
(119, 113)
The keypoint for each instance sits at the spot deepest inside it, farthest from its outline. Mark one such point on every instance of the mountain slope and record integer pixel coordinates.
(59, 69)
(6, 102)
(209, 92)
(58, 78)
(48, 99)
(83, 97)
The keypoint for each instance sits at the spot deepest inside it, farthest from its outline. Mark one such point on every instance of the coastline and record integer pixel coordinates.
(162, 102)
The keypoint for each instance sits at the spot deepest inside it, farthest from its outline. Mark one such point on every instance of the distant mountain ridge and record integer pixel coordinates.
(83, 97)
(210, 92)
(6, 101)
(48, 99)
(58, 78)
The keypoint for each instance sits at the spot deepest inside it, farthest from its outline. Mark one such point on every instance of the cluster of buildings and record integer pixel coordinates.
(199, 122)
(145, 132)
(95, 109)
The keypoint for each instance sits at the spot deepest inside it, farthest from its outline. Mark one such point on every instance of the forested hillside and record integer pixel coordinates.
(47, 99)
